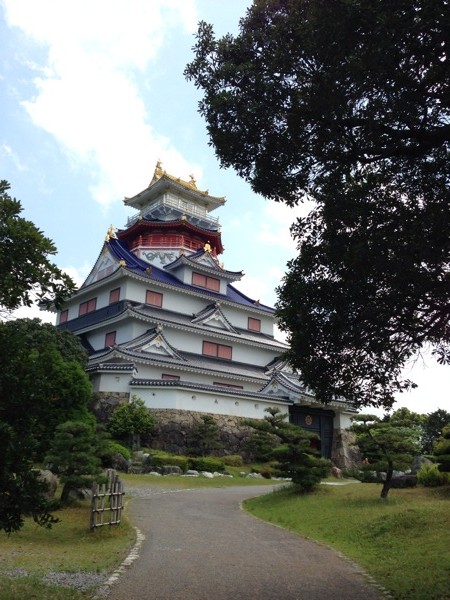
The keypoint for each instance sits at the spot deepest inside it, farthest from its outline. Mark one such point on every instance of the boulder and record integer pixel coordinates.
(336, 472)
(119, 463)
(50, 480)
(418, 463)
(171, 470)
(404, 481)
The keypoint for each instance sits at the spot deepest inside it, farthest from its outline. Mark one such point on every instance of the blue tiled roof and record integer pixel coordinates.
(119, 249)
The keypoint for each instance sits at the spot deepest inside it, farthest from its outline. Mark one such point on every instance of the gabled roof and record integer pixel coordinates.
(130, 263)
(203, 261)
(154, 342)
(187, 362)
(213, 316)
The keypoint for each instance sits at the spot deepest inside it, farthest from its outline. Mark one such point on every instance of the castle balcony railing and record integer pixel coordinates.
(166, 205)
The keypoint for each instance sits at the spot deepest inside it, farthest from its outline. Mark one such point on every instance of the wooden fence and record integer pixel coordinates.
(107, 502)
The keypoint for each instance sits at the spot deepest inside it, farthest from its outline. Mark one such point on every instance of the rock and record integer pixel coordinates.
(404, 481)
(207, 474)
(79, 494)
(51, 480)
(336, 472)
(255, 476)
(171, 470)
(119, 463)
(155, 473)
(192, 473)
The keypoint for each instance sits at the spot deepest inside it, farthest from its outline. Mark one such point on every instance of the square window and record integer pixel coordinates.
(110, 339)
(154, 298)
(114, 296)
(254, 324)
(64, 316)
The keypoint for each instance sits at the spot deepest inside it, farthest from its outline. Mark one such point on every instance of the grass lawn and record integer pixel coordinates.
(69, 546)
(403, 543)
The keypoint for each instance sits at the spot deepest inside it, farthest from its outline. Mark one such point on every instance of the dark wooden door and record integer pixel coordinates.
(318, 421)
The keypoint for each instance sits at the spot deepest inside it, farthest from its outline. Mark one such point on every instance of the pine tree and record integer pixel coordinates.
(74, 456)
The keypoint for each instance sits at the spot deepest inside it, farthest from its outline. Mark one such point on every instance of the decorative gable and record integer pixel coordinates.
(105, 265)
(212, 316)
(154, 342)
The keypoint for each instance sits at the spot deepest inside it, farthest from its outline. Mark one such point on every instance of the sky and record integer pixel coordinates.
(92, 94)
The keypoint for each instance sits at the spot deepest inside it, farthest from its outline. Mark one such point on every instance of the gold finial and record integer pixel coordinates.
(158, 169)
(183, 217)
(207, 247)
(122, 263)
(192, 181)
(110, 234)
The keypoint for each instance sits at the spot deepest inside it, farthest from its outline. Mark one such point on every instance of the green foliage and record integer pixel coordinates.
(42, 384)
(22, 493)
(27, 272)
(432, 428)
(233, 460)
(295, 457)
(112, 447)
(431, 476)
(203, 438)
(130, 421)
(207, 463)
(74, 455)
(386, 446)
(260, 445)
(325, 101)
(159, 459)
(442, 450)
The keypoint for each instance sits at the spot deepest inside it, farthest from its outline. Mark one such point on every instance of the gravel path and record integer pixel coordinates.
(199, 545)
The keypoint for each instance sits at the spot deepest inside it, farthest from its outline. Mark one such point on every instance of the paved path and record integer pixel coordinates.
(201, 546)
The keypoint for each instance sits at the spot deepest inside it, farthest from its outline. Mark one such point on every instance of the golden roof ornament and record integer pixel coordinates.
(122, 263)
(192, 182)
(158, 170)
(110, 233)
(207, 247)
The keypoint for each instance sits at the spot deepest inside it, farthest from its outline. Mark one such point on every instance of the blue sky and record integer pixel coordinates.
(92, 94)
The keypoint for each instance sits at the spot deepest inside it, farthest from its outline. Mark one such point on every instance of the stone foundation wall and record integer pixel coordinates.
(103, 404)
(172, 427)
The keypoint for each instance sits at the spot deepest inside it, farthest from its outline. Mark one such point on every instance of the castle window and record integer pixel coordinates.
(64, 316)
(168, 376)
(110, 339)
(229, 385)
(210, 283)
(154, 298)
(114, 296)
(254, 324)
(217, 350)
(87, 307)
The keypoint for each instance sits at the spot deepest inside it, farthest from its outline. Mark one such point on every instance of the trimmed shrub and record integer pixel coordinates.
(431, 476)
(207, 463)
(111, 447)
(233, 460)
(159, 459)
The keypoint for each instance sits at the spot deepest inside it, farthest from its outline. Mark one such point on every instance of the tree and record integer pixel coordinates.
(345, 102)
(74, 455)
(204, 438)
(130, 421)
(386, 445)
(21, 491)
(42, 384)
(295, 457)
(27, 272)
(442, 450)
(433, 428)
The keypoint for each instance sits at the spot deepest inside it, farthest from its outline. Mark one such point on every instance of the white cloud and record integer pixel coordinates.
(7, 151)
(87, 95)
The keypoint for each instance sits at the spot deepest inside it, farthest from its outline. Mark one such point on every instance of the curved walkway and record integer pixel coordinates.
(199, 545)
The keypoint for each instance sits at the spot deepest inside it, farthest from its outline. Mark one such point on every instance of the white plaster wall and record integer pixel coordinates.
(342, 420)
(204, 402)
